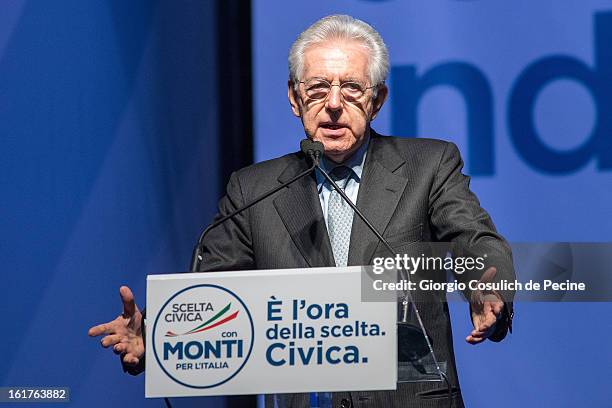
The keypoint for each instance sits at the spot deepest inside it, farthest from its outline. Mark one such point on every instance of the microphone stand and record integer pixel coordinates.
(196, 257)
(406, 329)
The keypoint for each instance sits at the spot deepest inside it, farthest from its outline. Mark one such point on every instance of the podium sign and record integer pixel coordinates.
(277, 331)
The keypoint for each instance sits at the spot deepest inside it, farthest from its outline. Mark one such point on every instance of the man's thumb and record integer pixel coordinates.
(477, 297)
(489, 275)
(129, 306)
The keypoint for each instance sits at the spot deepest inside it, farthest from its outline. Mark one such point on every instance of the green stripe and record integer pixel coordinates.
(212, 319)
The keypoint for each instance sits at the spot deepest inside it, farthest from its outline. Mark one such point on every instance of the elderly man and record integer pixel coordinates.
(411, 189)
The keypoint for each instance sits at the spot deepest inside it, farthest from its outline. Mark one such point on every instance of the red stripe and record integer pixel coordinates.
(227, 319)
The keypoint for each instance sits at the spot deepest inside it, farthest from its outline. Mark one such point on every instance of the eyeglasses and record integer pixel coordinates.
(319, 88)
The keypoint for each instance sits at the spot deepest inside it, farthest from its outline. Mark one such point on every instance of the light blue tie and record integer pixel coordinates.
(340, 217)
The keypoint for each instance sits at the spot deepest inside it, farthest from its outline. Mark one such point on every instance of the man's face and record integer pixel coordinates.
(340, 123)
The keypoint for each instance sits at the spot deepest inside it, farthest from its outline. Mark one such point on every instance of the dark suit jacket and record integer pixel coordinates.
(411, 190)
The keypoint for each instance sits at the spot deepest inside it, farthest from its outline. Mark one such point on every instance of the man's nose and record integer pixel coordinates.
(334, 99)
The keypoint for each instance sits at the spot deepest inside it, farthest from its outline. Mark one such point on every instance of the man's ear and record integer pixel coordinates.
(293, 99)
(379, 101)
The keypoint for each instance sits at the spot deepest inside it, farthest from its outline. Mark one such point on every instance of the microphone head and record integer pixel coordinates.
(305, 146)
(318, 149)
(312, 148)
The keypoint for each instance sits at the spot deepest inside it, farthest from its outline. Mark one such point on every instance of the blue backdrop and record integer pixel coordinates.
(108, 169)
(525, 89)
(109, 156)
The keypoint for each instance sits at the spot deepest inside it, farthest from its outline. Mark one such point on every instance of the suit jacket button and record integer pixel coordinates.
(345, 403)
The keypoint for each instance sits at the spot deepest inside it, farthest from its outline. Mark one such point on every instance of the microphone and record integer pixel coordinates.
(312, 149)
(308, 147)
(409, 336)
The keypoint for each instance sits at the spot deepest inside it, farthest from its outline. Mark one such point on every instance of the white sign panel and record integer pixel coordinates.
(279, 331)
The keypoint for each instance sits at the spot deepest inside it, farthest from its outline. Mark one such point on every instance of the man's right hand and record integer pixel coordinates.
(124, 334)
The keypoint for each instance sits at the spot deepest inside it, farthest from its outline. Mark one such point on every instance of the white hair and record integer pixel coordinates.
(341, 27)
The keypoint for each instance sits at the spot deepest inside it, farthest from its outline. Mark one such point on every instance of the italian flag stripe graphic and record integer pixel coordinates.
(210, 323)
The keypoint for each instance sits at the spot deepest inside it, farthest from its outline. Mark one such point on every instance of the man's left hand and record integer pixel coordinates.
(486, 309)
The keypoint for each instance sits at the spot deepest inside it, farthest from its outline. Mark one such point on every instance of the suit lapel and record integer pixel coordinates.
(380, 190)
(299, 208)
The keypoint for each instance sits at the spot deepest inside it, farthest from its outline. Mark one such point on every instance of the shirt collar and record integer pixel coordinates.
(355, 162)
